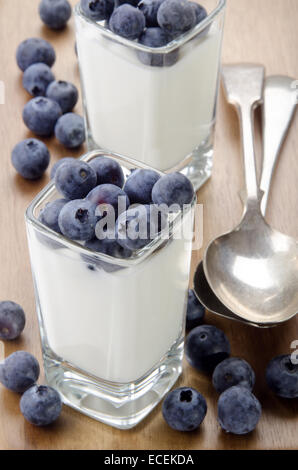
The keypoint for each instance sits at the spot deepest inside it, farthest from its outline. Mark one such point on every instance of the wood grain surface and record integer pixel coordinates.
(260, 31)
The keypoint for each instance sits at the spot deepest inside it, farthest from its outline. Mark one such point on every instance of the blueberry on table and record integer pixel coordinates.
(70, 130)
(75, 179)
(184, 409)
(139, 186)
(97, 10)
(239, 410)
(200, 12)
(59, 163)
(77, 220)
(233, 371)
(108, 195)
(40, 116)
(41, 405)
(19, 371)
(173, 188)
(30, 158)
(282, 376)
(195, 311)
(156, 37)
(107, 171)
(64, 93)
(176, 16)
(205, 347)
(110, 247)
(12, 320)
(37, 78)
(55, 13)
(150, 8)
(127, 21)
(34, 50)
(50, 213)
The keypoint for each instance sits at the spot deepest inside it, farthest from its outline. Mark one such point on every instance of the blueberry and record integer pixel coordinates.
(206, 346)
(150, 8)
(64, 93)
(195, 311)
(37, 78)
(200, 12)
(59, 163)
(139, 186)
(108, 195)
(70, 130)
(138, 226)
(77, 220)
(40, 115)
(173, 188)
(127, 21)
(34, 50)
(176, 16)
(31, 158)
(75, 179)
(12, 320)
(107, 171)
(156, 37)
(19, 371)
(97, 10)
(108, 247)
(233, 371)
(41, 405)
(282, 376)
(55, 13)
(239, 410)
(134, 3)
(50, 213)
(184, 409)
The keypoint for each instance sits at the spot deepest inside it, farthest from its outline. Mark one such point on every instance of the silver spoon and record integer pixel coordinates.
(278, 109)
(253, 270)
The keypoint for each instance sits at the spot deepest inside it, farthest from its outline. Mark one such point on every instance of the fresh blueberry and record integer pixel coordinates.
(55, 13)
(239, 410)
(59, 163)
(70, 130)
(40, 115)
(200, 12)
(176, 16)
(233, 371)
(184, 409)
(110, 247)
(282, 376)
(19, 371)
(107, 171)
(127, 21)
(206, 346)
(150, 8)
(41, 405)
(37, 78)
(139, 225)
(77, 220)
(34, 50)
(64, 93)
(139, 186)
(156, 37)
(108, 196)
(31, 158)
(50, 213)
(75, 179)
(173, 188)
(12, 320)
(195, 311)
(97, 10)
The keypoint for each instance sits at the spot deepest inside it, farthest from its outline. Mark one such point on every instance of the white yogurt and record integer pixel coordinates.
(157, 115)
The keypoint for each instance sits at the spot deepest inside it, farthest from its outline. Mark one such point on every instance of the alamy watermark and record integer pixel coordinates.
(2, 92)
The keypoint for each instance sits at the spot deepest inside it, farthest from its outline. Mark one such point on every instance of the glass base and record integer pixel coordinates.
(120, 405)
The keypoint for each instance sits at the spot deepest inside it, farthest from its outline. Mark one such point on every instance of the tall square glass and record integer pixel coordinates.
(162, 115)
(111, 329)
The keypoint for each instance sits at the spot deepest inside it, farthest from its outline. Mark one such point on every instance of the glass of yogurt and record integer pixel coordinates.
(111, 329)
(162, 115)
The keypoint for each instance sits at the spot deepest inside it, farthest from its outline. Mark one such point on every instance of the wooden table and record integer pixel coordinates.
(263, 31)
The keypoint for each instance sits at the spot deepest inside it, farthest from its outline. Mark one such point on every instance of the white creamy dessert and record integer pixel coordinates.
(156, 115)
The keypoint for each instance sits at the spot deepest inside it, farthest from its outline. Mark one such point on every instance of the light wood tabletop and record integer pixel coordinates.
(256, 31)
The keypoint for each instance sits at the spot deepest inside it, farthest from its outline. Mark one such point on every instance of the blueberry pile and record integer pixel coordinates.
(153, 23)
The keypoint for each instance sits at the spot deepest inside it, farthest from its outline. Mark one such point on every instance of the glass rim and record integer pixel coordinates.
(138, 255)
(171, 46)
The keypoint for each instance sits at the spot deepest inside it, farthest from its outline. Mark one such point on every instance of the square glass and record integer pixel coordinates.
(112, 330)
(162, 114)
